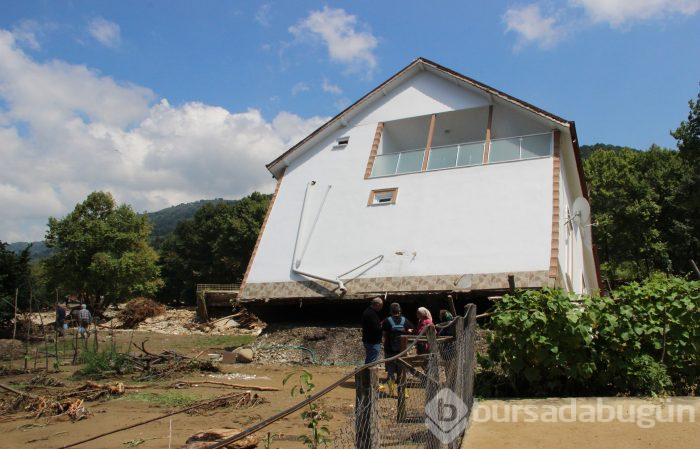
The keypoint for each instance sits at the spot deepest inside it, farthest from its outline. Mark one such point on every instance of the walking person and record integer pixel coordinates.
(84, 318)
(395, 325)
(60, 320)
(372, 330)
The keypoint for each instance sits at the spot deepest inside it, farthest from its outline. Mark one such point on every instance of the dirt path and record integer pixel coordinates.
(575, 435)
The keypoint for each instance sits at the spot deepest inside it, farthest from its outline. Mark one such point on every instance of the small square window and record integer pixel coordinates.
(341, 143)
(381, 197)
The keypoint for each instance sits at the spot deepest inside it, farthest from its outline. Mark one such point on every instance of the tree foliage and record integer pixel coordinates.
(637, 201)
(103, 252)
(213, 247)
(15, 277)
(643, 339)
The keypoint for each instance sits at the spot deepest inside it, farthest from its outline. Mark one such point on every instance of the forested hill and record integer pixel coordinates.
(587, 150)
(163, 222)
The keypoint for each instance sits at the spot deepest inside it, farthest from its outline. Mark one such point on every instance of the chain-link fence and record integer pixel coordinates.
(425, 404)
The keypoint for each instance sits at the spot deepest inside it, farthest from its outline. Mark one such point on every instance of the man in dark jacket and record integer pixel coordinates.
(372, 330)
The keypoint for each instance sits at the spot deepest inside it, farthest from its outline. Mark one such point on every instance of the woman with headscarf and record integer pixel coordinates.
(425, 319)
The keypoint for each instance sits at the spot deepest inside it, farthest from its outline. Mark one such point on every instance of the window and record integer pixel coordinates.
(381, 197)
(341, 142)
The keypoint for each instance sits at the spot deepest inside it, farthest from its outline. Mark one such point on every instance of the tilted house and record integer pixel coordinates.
(431, 183)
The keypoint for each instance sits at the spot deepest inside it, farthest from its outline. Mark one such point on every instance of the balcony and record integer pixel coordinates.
(463, 155)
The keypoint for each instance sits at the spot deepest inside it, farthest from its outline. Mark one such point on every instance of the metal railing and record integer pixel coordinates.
(435, 369)
(464, 154)
(218, 287)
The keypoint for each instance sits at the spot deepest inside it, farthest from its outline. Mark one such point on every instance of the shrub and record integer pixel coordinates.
(138, 309)
(542, 342)
(660, 318)
(100, 363)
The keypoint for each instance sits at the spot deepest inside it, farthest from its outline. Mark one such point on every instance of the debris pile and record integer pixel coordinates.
(139, 309)
(280, 344)
(167, 363)
(241, 400)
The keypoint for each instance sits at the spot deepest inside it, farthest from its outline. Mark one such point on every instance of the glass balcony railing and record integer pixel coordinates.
(463, 155)
(397, 163)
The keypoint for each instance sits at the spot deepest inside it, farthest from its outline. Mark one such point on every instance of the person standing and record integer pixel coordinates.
(394, 327)
(85, 319)
(425, 319)
(60, 319)
(372, 330)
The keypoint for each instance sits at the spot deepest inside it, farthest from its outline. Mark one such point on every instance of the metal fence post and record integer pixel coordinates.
(366, 413)
(432, 382)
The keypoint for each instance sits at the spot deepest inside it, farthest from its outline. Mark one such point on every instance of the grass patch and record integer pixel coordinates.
(222, 341)
(167, 398)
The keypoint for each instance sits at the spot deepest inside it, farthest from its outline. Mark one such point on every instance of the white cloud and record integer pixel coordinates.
(331, 88)
(299, 88)
(338, 31)
(620, 12)
(262, 15)
(107, 33)
(26, 31)
(65, 131)
(532, 26)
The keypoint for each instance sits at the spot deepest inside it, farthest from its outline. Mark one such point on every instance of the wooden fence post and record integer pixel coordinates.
(401, 384)
(366, 413)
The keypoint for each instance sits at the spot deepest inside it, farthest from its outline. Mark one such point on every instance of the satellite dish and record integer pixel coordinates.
(581, 211)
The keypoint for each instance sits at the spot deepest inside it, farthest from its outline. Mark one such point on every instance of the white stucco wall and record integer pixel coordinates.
(481, 219)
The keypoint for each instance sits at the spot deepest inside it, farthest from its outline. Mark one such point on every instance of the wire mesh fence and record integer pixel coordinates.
(426, 404)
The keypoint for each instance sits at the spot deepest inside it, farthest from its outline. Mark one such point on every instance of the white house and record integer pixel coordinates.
(431, 183)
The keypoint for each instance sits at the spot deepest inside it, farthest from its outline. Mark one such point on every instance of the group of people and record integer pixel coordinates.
(82, 316)
(389, 331)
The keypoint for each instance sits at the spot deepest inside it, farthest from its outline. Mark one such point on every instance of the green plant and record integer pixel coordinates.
(315, 415)
(541, 341)
(99, 363)
(167, 398)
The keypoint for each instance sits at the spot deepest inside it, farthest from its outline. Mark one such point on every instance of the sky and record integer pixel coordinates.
(164, 102)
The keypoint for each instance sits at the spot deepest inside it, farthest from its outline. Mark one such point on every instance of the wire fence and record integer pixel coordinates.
(425, 404)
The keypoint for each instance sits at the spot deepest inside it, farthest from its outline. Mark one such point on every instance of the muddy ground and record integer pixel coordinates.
(159, 398)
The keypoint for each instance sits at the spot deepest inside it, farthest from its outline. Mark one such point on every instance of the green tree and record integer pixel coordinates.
(636, 199)
(15, 276)
(103, 252)
(213, 247)
(688, 137)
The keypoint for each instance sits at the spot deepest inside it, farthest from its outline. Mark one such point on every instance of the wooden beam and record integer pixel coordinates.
(375, 148)
(487, 140)
(556, 171)
(431, 131)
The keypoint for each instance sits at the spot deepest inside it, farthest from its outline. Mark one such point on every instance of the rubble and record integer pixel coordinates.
(282, 344)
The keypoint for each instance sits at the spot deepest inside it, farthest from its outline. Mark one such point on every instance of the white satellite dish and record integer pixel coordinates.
(581, 211)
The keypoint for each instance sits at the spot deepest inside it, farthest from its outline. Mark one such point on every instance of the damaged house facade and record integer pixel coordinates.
(432, 183)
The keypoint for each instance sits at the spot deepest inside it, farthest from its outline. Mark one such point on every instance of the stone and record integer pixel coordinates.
(245, 355)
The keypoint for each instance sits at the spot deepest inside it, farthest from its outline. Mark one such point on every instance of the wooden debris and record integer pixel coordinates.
(186, 384)
(201, 440)
(238, 401)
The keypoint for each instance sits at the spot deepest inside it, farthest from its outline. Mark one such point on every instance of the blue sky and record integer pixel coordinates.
(167, 102)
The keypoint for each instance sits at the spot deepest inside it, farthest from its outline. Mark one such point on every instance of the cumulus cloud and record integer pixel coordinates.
(620, 12)
(66, 130)
(334, 89)
(338, 31)
(532, 26)
(105, 32)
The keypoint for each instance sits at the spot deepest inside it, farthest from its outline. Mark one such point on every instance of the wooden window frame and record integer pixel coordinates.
(373, 195)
